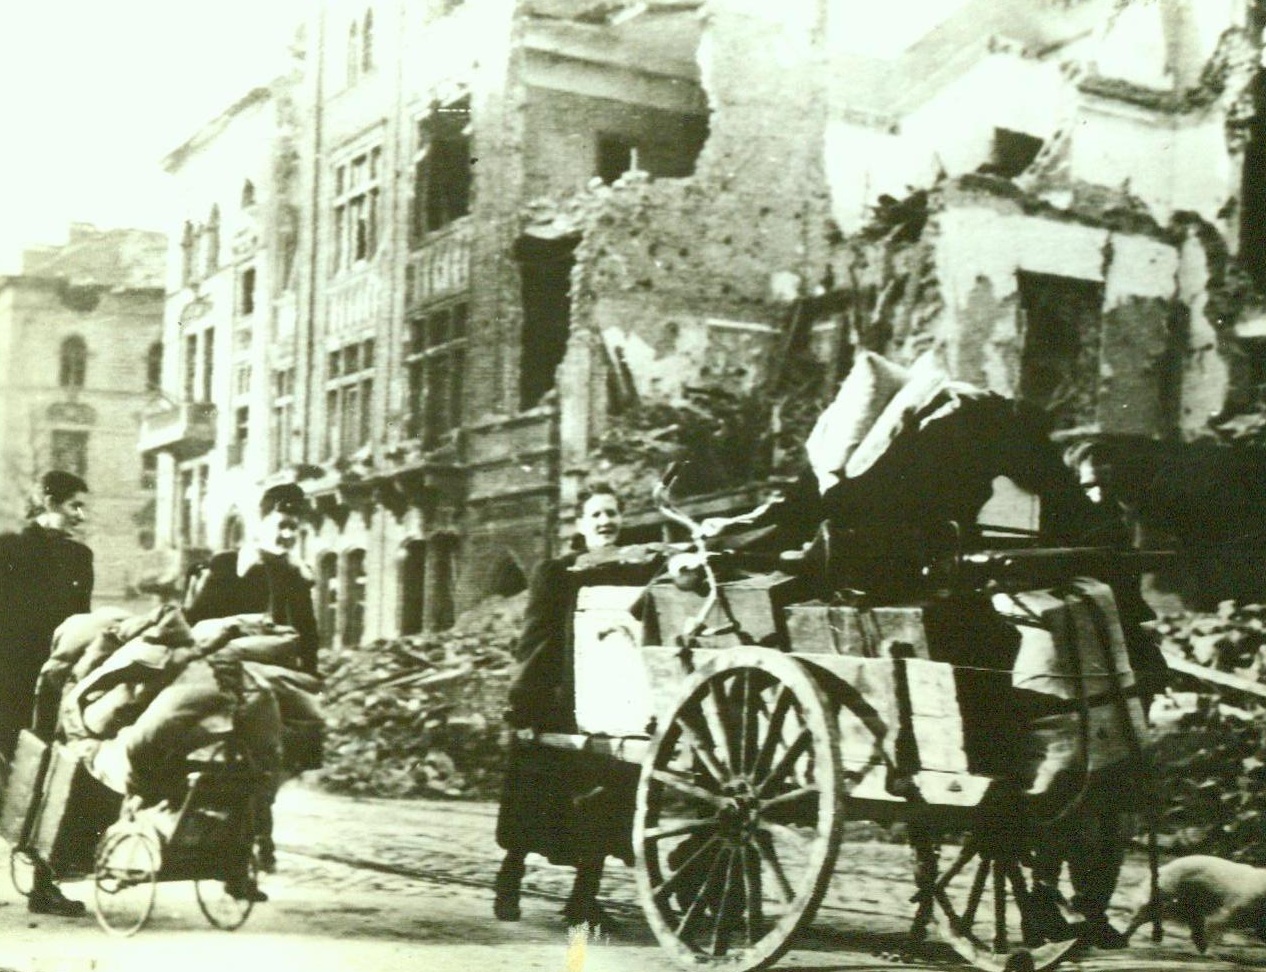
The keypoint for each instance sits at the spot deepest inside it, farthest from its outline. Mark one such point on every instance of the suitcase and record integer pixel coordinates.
(75, 808)
(26, 778)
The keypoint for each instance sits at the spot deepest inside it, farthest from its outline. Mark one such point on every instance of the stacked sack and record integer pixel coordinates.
(135, 697)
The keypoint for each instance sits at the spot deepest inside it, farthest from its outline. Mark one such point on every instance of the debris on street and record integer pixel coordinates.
(420, 716)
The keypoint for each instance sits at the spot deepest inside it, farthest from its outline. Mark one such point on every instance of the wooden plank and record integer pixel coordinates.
(817, 628)
(1224, 679)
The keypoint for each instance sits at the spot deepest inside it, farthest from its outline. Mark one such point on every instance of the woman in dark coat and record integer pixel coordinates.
(262, 579)
(571, 807)
(45, 577)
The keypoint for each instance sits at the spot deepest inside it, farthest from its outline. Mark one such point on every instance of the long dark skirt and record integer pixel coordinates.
(567, 806)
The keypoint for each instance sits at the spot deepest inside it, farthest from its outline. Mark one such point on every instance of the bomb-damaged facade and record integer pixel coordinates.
(477, 231)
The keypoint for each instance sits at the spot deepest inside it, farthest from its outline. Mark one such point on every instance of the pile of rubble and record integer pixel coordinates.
(420, 716)
(1210, 732)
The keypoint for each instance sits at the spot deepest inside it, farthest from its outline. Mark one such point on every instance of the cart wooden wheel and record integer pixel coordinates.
(22, 871)
(125, 879)
(223, 910)
(982, 900)
(738, 819)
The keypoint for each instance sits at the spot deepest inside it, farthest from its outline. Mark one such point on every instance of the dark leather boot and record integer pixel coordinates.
(505, 906)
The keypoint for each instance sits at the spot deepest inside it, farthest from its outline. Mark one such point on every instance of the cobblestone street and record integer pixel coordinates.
(385, 885)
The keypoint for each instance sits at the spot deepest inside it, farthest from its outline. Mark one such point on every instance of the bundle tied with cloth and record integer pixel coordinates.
(135, 697)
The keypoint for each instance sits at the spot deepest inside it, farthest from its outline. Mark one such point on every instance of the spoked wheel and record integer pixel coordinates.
(222, 909)
(983, 903)
(738, 825)
(125, 879)
(22, 871)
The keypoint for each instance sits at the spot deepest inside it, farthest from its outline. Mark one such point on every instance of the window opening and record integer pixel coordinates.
(74, 362)
(349, 393)
(545, 287)
(1060, 325)
(434, 363)
(354, 599)
(357, 187)
(441, 168)
(413, 587)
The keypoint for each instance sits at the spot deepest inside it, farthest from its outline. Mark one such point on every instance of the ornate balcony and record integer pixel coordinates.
(186, 429)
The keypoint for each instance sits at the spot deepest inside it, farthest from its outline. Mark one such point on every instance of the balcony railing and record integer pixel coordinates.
(185, 430)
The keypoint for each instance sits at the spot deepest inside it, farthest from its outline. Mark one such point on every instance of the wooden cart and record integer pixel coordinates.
(201, 830)
(763, 723)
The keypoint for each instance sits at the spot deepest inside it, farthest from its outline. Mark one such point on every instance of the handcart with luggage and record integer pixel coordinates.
(764, 715)
(197, 826)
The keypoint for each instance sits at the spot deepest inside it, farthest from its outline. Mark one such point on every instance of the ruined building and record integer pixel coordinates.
(79, 357)
(424, 275)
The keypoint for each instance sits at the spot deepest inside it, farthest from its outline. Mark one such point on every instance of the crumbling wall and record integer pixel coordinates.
(658, 260)
(987, 238)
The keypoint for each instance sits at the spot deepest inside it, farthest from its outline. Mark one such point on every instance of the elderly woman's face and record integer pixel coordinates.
(599, 522)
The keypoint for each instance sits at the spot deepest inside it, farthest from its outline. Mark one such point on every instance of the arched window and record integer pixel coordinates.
(353, 53)
(507, 579)
(248, 194)
(354, 598)
(154, 367)
(234, 531)
(367, 43)
(74, 362)
(327, 597)
(413, 587)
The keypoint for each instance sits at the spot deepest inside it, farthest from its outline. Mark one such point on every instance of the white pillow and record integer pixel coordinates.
(864, 393)
(925, 380)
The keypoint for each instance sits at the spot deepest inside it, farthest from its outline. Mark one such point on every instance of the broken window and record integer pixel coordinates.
(1013, 152)
(434, 363)
(356, 188)
(1060, 327)
(74, 362)
(616, 156)
(349, 393)
(545, 285)
(441, 168)
(69, 451)
(412, 587)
